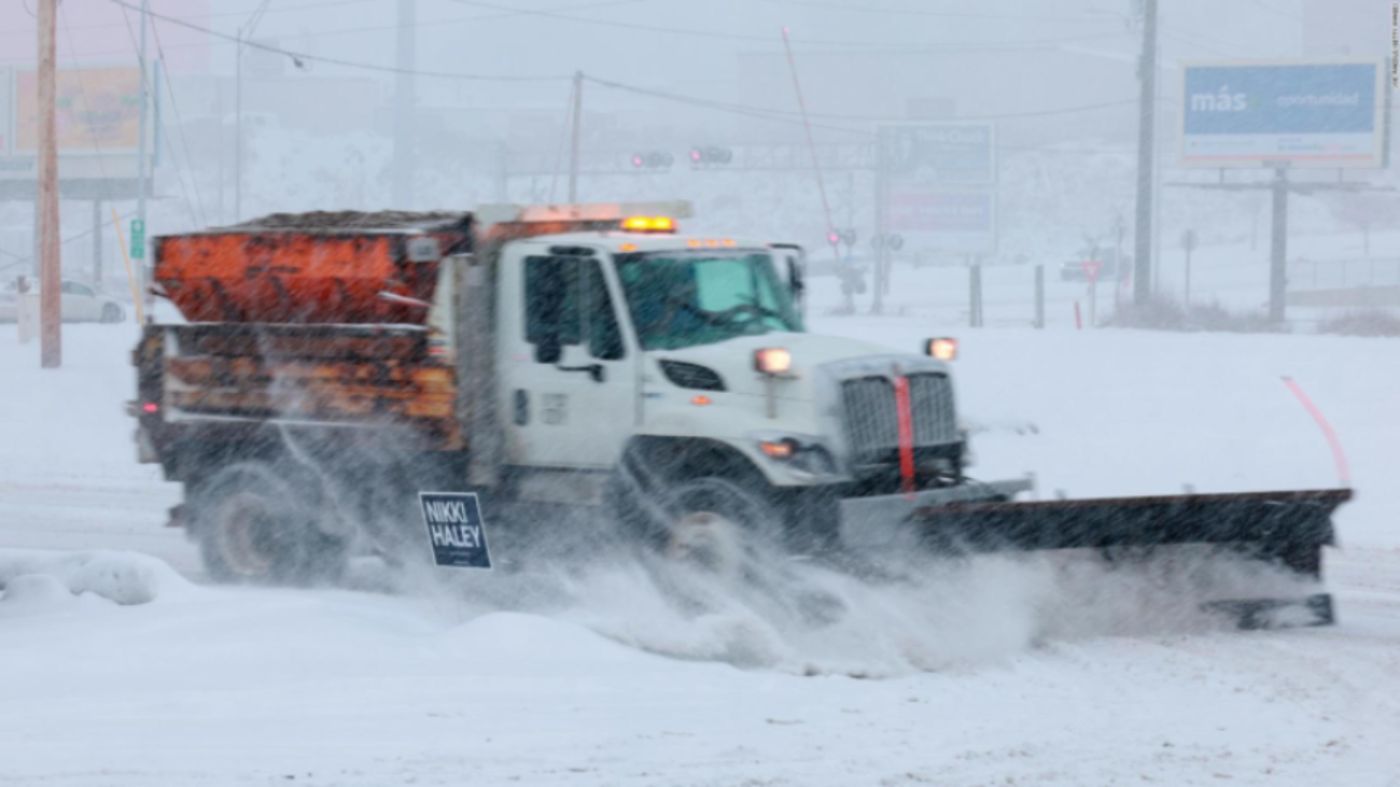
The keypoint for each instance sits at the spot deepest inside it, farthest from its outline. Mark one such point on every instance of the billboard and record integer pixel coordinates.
(98, 120)
(938, 185)
(1283, 114)
(98, 110)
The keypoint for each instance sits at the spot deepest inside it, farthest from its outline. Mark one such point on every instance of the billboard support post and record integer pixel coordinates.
(1278, 248)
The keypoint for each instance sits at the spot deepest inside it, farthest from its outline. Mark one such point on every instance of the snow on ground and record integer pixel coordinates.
(115, 670)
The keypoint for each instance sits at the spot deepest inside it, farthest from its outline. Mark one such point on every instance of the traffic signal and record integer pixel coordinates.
(653, 159)
(710, 155)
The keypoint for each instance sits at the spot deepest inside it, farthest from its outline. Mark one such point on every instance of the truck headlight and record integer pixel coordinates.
(772, 360)
(944, 348)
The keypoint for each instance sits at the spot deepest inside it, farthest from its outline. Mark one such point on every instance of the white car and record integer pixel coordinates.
(79, 303)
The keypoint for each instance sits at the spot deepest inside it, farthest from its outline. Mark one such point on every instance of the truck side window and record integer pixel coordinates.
(552, 299)
(604, 335)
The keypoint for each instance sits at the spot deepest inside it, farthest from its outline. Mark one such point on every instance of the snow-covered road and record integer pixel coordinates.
(1004, 672)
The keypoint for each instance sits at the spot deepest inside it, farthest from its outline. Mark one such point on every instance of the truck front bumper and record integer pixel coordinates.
(886, 520)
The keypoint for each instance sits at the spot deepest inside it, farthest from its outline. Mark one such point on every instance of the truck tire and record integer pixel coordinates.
(111, 313)
(718, 523)
(255, 524)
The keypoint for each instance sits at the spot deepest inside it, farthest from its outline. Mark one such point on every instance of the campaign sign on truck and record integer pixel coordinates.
(1292, 114)
(455, 529)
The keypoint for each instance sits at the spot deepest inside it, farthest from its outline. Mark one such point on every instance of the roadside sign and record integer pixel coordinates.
(937, 186)
(1092, 268)
(456, 530)
(1283, 114)
(138, 239)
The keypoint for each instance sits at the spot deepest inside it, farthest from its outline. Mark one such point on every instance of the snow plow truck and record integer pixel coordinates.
(587, 358)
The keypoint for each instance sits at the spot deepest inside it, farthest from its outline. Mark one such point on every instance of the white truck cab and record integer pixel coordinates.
(636, 345)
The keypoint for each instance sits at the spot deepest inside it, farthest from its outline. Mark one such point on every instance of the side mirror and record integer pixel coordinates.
(796, 259)
(796, 282)
(548, 349)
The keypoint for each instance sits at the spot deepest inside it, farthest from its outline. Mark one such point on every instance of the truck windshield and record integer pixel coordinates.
(682, 299)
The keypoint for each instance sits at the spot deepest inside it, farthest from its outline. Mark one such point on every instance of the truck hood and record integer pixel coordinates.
(813, 357)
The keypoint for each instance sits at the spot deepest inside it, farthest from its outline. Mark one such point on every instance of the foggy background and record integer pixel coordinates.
(486, 109)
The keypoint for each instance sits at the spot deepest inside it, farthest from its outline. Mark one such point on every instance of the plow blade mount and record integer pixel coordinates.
(1287, 529)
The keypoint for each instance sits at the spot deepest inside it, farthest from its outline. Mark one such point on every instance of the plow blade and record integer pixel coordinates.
(1281, 519)
(1285, 529)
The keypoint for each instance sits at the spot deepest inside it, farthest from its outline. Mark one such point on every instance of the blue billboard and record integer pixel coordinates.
(1282, 114)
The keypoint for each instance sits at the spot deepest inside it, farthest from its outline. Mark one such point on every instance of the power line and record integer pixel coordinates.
(776, 115)
(304, 57)
(19, 259)
(865, 10)
(795, 116)
(180, 129)
(881, 46)
(435, 23)
(323, 33)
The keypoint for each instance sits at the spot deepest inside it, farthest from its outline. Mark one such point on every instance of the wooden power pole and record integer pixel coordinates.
(50, 281)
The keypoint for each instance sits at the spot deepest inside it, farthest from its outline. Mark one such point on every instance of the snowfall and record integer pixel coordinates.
(120, 664)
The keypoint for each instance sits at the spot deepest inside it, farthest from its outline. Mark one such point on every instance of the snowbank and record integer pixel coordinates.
(32, 577)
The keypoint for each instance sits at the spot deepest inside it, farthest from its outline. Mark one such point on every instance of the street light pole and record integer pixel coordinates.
(405, 102)
(243, 32)
(1142, 231)
(574, 133)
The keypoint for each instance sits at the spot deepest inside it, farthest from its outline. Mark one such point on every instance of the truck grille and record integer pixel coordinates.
(872, 424)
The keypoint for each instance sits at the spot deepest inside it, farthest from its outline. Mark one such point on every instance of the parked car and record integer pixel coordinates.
(78, 303)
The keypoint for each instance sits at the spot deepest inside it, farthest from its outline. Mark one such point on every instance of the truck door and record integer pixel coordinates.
(570, 395)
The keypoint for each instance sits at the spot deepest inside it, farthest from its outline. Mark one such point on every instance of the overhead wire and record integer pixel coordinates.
(794, 116)
(179, 128)
(867, 10)
(881, 46)
(20, 259)
(306, 57)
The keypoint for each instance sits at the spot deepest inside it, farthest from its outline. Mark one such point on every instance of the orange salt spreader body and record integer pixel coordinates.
(328, 267)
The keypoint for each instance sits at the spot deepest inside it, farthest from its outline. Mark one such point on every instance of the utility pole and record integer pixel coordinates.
(50, 325)
(574, 137)
(404, 104)
(243, 32)
(143, 167)
(1142, 232)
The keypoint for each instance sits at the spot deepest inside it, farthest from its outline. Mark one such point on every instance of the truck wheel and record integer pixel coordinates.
(111, 313)
(718, 524)
(254, 526)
